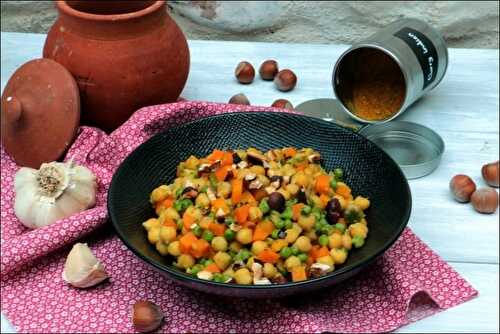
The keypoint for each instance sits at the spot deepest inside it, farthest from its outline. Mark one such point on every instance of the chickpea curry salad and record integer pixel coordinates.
(249, 217)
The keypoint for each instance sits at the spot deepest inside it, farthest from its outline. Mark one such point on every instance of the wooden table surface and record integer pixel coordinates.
(463, 109)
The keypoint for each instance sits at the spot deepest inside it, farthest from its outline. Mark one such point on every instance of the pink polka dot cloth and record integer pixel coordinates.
(407, 283)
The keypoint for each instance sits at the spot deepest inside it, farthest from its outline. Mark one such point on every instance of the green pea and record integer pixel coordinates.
(183, 204)
(217, 277)
(275, 233)
(203, 189)
(229, 221)
(197, 230)
(229, 234)
(323, 240)
(291, 202)
(180, 224)
(286, 252)
(288, 224)
(333, 184)
(279, 224)
(302, 257)
(287, 214)
(207, 235)
(243, 255)
(306, 210)
(264, 206)
(357, 241)
(196, 269)
(295, 250)
(327, 229)
(339, 173)
(340, 227)
(178, 192)
(213, 180)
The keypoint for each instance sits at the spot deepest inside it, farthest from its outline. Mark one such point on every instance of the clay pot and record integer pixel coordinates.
(124, 55)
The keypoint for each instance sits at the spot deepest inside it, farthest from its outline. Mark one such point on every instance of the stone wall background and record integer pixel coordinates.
(468, 24)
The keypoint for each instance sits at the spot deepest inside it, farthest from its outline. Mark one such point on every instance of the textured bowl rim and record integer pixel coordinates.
(183, 276)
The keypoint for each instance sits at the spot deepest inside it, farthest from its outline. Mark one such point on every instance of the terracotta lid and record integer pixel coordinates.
(40, 112)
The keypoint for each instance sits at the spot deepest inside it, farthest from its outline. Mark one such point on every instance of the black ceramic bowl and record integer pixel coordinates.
(368, 170)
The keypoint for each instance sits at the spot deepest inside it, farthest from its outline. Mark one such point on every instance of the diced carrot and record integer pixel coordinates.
(221, 173)
(301, 166)
(165, 204)
(169, 222)
(343, 190)
(259, 194)
(227, 159)
(217, 229)
(296, 209)
(299, 273)
(188, 220)
(289, 152)
(268, 256)
(199, 248)
(204, 224)
(241, 213)
(236, 190)
(248, 198)
(220, 203)
(317, 251)
(212, 267)
(324, 200)
(186, 242)
(323, 251)
(262, 230)
(310, 260)
(323, 184)
(216, 155)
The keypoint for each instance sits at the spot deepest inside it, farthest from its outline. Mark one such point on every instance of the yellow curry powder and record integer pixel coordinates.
(379, 87)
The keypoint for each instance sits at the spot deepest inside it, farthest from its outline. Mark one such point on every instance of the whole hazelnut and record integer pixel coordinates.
(239, 99)
(244, 72)
(283, 104)
(268, 69)
(485, 200)
(462, 187)
(146, 316)
(285, 80)
(490, 174)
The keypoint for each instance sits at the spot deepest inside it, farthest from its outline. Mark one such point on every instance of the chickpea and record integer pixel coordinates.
(151, 223)
(291, 262)
(162, 248)
(300, 179)
(359, 230)
(339, 256)
(250, 262)
(291, 235)
(242, 276)
(202, 201)
(259, 170)
(317, 201)
(327, 259)
(254, 213)
(241, 173)
(303, 244)
(258, 247)
(244, 236)
(312, 235)
(297, 227)
(191, 163)
(346, 241)
(269, 270)
(167, 234)
(174, 248)
(159, 194)
(277, 245)
(154, 235)
(223, 189)
(335, 241)
(171, 213)
(195, 213)
(222, 260)
(229, 272)
(362, 202)
(235, 246)
(363, 221)
(219, 243)
(185, 261)
(342, 201)
(264, 180)
(293, 189)
(205, 222)
(307, 222)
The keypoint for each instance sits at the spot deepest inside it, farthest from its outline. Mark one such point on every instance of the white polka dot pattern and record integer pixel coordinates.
(409, 282)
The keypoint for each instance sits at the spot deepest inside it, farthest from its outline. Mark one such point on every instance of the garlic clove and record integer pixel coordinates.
(82, 269)
(146, 316)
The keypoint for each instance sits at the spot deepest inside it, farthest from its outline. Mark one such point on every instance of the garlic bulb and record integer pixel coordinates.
(55, 191)
(82, 269)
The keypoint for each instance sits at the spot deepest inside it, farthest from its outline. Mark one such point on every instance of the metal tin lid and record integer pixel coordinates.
(415, 148)
(40, 112)
(328, 109)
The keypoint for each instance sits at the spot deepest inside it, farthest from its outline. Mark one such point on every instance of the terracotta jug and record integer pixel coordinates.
(124, 55)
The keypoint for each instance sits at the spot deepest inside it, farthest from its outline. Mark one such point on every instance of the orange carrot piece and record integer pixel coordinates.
(248, 198)
(317, 251)
(268, 256)
(323, 251)
(220, 203)
(186, 242)
(217, 229)
(299, 273)
(322, 184)
(301, 166)
(188, 220)
(343, 190)
(169, 222)
(216, 155)
(296, 209)
(236, 190)
(289, 152)
(241, 214)
(263, 230)
(324, 200)
(199, 248)
(212, 267)
(227, 159)
(221, 173)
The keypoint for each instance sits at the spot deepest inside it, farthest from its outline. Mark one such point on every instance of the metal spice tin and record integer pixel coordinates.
(418, 50)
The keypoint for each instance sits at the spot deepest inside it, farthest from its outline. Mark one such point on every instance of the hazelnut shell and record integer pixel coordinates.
(244, 72)
(283, 104)
(462, 187)
(285, 80)
(268, 69)
(485, 200)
